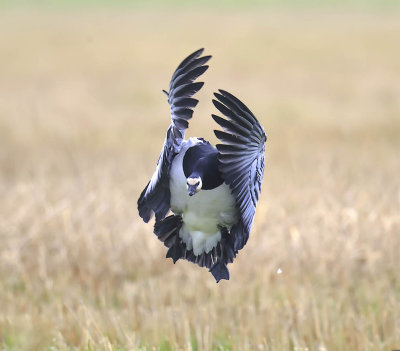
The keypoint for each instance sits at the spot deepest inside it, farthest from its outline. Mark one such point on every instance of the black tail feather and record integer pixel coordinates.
(167, 231)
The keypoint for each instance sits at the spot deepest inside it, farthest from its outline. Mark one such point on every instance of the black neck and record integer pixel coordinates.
(201, 161)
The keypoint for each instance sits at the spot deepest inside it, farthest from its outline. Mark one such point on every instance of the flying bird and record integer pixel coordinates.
(212, 192)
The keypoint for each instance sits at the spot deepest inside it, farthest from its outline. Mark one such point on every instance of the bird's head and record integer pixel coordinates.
(193, 184)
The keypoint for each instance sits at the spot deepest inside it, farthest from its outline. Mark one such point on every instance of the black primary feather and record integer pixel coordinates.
(241, 160)
(155, 198)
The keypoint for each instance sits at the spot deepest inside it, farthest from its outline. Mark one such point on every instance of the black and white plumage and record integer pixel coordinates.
(212, 192)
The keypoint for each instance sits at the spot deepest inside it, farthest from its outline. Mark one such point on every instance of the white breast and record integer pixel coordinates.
(203, 212)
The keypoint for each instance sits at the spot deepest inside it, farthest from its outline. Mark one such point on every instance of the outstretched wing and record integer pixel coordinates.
(155, 197)
(241, 159)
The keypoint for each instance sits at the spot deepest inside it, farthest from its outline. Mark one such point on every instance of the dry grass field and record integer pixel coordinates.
(82, 121)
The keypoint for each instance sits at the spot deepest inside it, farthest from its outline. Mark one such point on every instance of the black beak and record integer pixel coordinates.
(192, 189)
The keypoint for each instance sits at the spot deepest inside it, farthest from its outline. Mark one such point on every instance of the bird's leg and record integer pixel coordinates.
(177, 250)
(219, 269)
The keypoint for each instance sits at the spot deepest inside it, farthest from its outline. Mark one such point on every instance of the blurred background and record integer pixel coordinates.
(82, 122)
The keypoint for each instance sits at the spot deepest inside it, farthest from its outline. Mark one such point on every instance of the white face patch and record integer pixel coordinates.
(194, 181)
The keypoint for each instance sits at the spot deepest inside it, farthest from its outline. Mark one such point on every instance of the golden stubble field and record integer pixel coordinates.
(82, 120)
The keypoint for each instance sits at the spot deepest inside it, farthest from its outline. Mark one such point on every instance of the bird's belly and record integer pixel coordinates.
(202, 213)
(205, 212)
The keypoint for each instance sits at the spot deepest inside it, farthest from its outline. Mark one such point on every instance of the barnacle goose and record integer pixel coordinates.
(212, 192)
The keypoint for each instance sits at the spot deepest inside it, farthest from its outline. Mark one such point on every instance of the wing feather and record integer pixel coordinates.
(241, 159)
(185, 102)
(155, 198)
(229, 126)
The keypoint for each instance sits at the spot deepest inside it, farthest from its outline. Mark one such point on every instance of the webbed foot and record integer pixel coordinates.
(220, 271)
(176, 251)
